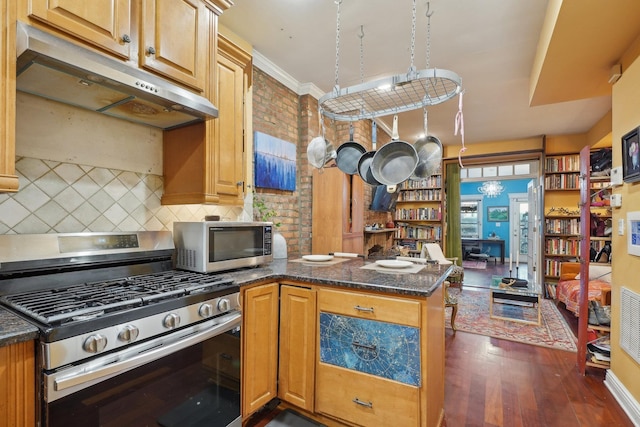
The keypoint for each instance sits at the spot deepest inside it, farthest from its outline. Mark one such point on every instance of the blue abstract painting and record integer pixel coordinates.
(275, 163)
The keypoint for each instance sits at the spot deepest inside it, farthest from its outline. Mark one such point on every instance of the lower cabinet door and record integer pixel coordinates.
(364, 399)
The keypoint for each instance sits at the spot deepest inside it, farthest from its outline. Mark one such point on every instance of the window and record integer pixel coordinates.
(515, 170)
(470, 217)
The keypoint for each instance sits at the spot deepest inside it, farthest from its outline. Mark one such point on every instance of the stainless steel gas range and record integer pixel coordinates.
(125, 339)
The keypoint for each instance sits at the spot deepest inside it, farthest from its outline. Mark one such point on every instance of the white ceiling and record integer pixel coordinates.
(490, 44)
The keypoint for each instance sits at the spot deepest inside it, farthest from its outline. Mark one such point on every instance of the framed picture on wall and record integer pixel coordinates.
(498, 213)
(631, 156)
(275, 162)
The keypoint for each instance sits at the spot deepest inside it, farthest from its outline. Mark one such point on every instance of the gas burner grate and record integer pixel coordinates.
(95, 299)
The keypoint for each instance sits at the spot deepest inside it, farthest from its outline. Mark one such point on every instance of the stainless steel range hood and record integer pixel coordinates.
(56, 69)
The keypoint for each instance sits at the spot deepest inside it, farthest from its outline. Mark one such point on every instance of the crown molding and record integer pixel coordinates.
(271, 69)
(262, 62)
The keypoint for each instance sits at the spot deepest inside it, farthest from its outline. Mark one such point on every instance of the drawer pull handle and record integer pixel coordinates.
(361, 403)
(367, 309)
(370, 347)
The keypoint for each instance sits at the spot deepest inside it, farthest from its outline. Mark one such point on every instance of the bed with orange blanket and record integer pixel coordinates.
(568, 288)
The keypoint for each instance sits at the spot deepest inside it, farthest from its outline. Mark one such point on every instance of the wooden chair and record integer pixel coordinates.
(433, 251)
(451, 301)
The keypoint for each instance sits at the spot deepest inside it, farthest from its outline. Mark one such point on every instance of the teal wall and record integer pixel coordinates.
(501, 229)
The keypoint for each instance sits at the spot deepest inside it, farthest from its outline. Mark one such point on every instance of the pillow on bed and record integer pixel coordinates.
(598, 272)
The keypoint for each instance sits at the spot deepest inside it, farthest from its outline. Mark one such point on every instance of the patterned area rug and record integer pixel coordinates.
(473, 316)
(482, 265)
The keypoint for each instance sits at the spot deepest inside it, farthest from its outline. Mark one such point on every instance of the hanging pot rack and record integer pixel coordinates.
(390, 95)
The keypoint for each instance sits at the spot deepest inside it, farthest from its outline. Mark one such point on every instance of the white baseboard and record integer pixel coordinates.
(628, 403)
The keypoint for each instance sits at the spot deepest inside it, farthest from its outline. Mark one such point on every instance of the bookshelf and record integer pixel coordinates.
(562, 215)
(601, 223)
(593, 340)
(418, 214)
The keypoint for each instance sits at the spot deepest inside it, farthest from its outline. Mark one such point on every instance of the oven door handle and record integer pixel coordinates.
(158, 349)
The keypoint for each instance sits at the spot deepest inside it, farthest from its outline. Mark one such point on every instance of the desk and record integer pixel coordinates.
(480, 242)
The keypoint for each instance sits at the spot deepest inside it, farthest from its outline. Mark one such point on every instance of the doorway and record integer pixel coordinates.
(519, 230)
(519, 227)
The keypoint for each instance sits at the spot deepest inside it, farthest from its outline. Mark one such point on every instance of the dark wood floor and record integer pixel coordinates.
(492, 382)
(496, 383)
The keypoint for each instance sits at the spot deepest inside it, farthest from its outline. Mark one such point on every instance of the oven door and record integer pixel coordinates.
(188, 378)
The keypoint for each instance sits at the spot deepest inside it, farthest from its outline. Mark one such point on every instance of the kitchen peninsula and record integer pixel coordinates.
(301, 323)
(343, 342)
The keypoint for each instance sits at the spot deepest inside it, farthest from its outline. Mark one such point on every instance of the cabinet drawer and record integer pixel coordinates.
(385, 309)
(364, 399)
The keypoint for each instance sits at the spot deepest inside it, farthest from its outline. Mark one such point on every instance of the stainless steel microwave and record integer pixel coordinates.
(210, 246)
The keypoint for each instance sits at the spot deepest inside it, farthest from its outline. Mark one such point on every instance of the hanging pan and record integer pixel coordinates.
(320, 151)
(429, 149)
(364, 164)
(348, 154)
(394, 162)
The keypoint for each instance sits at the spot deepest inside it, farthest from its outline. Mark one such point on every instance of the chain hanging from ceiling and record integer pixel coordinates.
(390, 95)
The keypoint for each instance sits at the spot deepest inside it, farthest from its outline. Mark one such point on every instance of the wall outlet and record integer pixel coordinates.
(616, 200)
(616, 176)
(621, 227)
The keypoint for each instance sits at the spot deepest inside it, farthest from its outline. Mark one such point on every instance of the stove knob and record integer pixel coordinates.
(171, 321)
(224, 305)
(205, 310)
(95, 343)
(129, 334)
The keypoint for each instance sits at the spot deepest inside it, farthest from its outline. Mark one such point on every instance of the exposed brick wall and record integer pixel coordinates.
(275, 112)
(279, 112)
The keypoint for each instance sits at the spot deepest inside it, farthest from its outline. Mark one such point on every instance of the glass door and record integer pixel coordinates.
(470, 219)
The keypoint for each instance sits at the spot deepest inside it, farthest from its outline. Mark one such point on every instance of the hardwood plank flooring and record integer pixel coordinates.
(497, 383)
(492, 382)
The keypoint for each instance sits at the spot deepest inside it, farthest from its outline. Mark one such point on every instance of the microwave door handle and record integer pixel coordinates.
(158, 352)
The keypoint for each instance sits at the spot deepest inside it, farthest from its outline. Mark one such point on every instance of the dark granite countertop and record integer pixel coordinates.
(347, 274)
(14, 329)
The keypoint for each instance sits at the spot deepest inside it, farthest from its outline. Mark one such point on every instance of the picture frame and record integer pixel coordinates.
(633, 233)
(275, 162)
(498, 213)
(631, 156)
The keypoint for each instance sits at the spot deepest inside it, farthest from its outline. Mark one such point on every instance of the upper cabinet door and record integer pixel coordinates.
(174, 40)
(103, 23)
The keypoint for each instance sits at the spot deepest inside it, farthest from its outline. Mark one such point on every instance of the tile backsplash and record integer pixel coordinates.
(59, 197)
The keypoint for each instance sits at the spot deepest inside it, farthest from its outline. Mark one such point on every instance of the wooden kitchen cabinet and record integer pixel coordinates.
(296, 373)
(17, 385)
(167, 38)
(8, 177)
(337, 212)
(233, 79)
(387, 354)
(204, 163)
(396, 379)
(286, 354)
(174, 40)
(104, 24)
(260, 310)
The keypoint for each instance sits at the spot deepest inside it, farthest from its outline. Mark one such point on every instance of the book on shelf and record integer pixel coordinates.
(419, 214)
(565, 163)
(562, 225)
(597, 357)
(550, 290)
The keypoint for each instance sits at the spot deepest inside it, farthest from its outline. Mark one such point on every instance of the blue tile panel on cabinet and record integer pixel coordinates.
(383, 349)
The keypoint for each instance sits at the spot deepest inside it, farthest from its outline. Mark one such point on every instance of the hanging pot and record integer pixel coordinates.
(364, 164)
(395, 161)
(348, 154)
(320, 152)
(429, 149)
